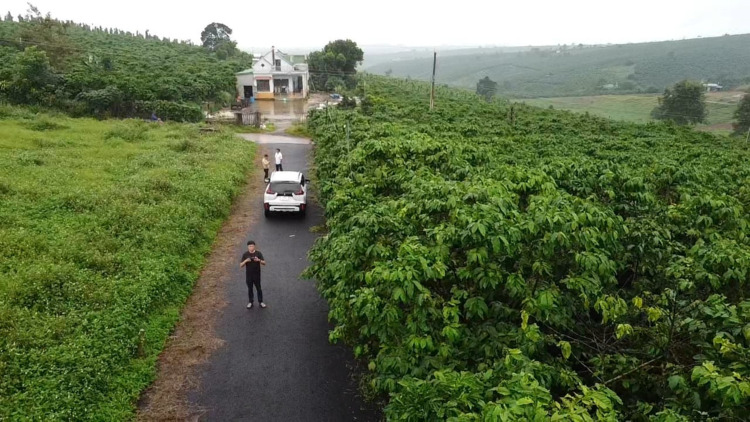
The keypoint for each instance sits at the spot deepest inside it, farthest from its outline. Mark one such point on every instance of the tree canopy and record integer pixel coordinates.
(215, 34)
(335, 65)
(684, 104)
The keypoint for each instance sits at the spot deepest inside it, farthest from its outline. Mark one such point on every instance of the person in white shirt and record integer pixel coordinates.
(279, 158)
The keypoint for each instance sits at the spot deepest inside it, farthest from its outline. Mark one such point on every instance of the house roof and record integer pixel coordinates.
(245, 72)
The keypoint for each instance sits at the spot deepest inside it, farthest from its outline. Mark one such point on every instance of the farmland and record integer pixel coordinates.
(575, 70)
(103, 229)
(637, 108)
(506, 262)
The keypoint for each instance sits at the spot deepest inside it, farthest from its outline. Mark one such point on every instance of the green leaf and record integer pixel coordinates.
(623, 330)
(565, 348)
(675, 382)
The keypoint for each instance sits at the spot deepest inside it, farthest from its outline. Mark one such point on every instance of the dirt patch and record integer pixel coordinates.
(194, 338)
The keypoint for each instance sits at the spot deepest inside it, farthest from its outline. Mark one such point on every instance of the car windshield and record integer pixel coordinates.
(285, 187)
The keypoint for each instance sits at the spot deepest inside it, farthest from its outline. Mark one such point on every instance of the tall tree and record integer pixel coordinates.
(215, 35)
(742, 114)
(684, 104)
(337, 60)
(486, 88)
(9, 17)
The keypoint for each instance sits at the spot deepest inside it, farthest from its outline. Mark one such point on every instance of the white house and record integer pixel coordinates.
(275, 75)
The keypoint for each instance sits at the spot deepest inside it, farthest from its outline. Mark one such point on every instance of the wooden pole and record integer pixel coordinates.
(432, 91)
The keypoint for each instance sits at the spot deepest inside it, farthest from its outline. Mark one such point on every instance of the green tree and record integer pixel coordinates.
(486, 88)
(30, 80)
(742, 114)
(8, 17)
(338, 58)
(684, 104)
(216, 37)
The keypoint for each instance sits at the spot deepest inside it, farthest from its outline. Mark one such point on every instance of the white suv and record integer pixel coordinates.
(286, 192)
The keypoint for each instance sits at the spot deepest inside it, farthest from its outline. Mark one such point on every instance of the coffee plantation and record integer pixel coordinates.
(497, 262)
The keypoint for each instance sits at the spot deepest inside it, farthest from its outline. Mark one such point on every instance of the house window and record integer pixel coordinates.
(278, 64)
(264, 85)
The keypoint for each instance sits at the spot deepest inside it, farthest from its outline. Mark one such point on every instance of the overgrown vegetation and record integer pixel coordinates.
(107, 72)
(103, 230)
(578, 70)
(503, 262)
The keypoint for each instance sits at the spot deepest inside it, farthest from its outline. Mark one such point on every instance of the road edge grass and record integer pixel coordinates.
(194, 338)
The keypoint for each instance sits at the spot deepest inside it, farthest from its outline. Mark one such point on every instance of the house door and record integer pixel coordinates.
(248, 91)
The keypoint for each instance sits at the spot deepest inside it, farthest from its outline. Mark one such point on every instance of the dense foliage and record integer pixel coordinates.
(334, 67)
(684, 104)
(103, 230)
(576, 70)
(502, 262)
(108, 72)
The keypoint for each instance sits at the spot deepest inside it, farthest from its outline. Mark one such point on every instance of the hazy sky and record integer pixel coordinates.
(307, 23)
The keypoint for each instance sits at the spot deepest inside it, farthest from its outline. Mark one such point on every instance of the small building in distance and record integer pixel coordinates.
(275, 75)
(713, 87)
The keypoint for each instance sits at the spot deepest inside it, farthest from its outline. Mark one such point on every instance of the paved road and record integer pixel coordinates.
(277, 364)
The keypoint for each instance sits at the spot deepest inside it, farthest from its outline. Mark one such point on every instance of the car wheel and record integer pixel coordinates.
(267, 213)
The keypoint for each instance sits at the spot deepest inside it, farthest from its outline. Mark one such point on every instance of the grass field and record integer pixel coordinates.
(104, 226)
(637, 108)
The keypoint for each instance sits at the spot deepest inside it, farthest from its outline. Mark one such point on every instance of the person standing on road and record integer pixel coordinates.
(266, 163)
(252, 260)
(279, 159)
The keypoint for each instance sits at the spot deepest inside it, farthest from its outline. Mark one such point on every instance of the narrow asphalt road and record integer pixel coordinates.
(277, 363)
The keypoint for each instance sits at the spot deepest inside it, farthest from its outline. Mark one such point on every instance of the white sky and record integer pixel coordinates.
(310, 24)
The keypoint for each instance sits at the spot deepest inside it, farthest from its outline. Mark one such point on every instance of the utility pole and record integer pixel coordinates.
(432, 92)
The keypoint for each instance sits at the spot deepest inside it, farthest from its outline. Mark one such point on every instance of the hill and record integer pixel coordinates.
(502, 262)
(584, 70)
(108, 72)
(104, 226)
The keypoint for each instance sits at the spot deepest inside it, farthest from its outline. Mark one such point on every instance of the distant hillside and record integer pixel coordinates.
(582, 70)
(110, 72)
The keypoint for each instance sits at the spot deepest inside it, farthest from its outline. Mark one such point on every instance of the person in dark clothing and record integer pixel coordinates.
(252, 260)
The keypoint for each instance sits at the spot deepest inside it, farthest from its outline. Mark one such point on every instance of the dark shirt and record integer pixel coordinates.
(252, 268)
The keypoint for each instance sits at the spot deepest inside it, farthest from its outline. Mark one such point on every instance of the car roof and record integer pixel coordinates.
(286, 176)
